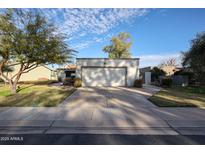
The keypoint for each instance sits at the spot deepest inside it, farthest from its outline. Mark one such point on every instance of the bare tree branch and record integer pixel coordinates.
(169, 62)
(31, 68)
(4, 77)
(19, 72)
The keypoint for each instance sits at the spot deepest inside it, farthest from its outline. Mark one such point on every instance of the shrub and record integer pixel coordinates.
(167, 82)
(156, 73)
(156, 82)
(59, 79)
(77, 82)
(138, 83)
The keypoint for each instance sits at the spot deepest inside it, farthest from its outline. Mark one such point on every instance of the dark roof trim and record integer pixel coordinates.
(146, 67)
(66, 69)
(111, 58)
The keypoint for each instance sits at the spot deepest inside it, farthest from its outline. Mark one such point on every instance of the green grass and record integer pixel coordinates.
(33, 95)
(179, 97)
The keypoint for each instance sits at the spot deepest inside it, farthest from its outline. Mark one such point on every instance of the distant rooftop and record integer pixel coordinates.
(68, 67)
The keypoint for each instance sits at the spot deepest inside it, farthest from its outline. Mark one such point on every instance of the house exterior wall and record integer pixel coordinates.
(39, 73)
(148, 76)
(143, 71)
(132, 66)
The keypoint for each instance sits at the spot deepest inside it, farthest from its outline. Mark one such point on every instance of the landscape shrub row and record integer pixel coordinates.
(76, 82)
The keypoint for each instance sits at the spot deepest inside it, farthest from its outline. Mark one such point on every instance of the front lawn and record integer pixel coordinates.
(179, 97)
(33, 95)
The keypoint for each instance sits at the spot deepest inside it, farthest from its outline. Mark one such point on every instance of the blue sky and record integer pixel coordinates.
(157, 33)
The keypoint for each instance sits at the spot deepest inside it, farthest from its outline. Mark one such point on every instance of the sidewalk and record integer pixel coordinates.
(170, 121)
(104, 111)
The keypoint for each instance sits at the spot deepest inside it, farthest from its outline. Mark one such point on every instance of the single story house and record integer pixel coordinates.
(179, 75)
(67, 72)
(42, 72)
(169, 70)
(107, 72)
(145, 74)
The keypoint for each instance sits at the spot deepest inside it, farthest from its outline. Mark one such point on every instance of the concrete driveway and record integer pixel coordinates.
(104, 110)
(117, 107)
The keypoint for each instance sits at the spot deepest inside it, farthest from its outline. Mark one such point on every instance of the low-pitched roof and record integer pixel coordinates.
(70, 67)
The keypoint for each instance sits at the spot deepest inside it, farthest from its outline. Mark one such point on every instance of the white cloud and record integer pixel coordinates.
(98, 39)
(82, 45)
(77, 23)
(97, 21)
(155, 60)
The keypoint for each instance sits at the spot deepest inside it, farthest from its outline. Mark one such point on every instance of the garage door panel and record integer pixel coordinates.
(103, 76)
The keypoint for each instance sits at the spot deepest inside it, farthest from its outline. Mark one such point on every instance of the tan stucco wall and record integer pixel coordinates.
(35, 74)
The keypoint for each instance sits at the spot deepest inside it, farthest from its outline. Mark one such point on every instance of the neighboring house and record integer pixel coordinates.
(170, 70)
(186, 74)
(180, 76)
(40, 73)
(66, 72)
(107, 72)
(145, 74)
(145, 69)
(182, 70)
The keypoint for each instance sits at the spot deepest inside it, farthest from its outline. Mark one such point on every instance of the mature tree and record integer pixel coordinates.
(7, 69)
(195, 57)
(169, 62)
(27, 39)
(120, 46)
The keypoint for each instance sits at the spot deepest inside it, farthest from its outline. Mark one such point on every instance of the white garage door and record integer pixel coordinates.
(104, 76)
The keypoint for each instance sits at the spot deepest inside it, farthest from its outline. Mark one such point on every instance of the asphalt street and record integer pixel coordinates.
(93, 139)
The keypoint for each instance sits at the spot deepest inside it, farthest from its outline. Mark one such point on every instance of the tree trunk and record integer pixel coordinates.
(12, 80)
(14, 83)
(13, 88)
